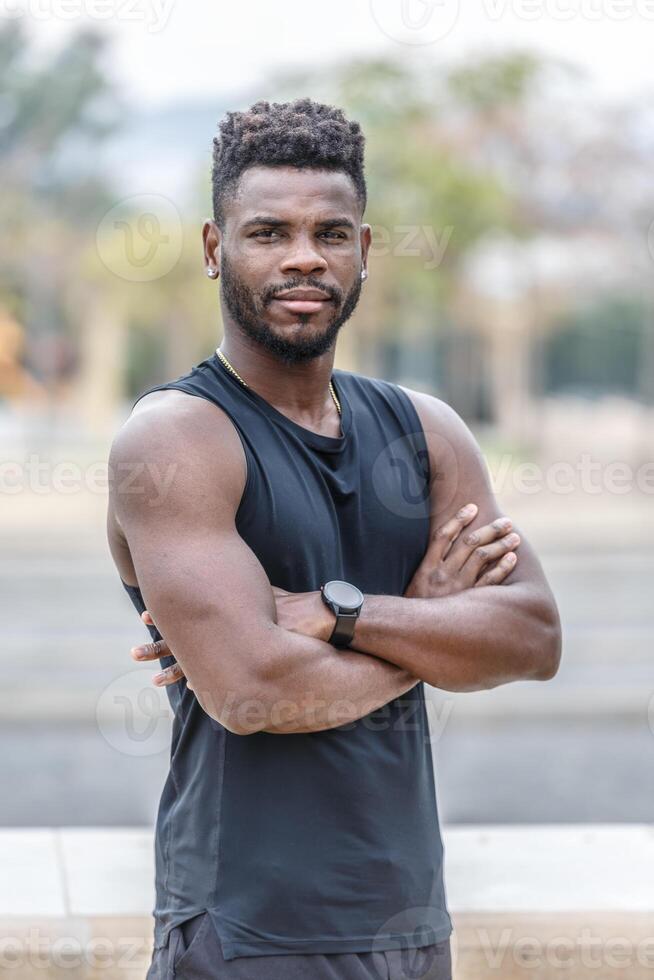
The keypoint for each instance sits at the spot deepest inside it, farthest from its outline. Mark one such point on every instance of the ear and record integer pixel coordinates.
(366, 239)
(212, 243)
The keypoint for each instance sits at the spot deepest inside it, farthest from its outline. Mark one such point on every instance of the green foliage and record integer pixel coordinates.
(440, 146)
(47, 208)
(45, 106)
(495, 81)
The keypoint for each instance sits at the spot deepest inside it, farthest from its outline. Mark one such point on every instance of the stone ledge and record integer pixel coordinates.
(529, 902)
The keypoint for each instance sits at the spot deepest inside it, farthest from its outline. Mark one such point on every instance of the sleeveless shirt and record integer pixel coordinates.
(327, 841)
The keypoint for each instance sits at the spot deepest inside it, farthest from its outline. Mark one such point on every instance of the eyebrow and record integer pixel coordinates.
(262, 219)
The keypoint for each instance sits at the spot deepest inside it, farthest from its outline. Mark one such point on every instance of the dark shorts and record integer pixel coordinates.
(193, 952)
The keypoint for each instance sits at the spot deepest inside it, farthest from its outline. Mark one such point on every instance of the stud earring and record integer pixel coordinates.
(212, 273)
(364, 274)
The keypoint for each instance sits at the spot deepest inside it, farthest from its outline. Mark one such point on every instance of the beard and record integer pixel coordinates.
(248, 311)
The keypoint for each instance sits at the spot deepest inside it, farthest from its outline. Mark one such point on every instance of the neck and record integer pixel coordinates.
(299, 391)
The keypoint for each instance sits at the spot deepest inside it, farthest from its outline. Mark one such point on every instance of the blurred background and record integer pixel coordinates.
(509, 162)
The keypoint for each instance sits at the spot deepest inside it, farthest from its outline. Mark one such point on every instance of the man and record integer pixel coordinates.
(296, 533)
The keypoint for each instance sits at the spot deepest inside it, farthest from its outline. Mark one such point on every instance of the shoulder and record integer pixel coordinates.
(441, 424)
(433, 409)
(367, 385)
(179, 440)
(165, 421)
(446, 432)
(429, 406)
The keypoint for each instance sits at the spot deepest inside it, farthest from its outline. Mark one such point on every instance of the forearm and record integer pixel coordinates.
(308, 685)
(467, 641)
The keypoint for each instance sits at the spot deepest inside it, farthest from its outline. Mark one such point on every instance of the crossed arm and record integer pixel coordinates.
(206, 590)
(477, 638)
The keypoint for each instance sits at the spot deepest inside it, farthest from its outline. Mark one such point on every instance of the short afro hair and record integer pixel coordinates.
(302, 133)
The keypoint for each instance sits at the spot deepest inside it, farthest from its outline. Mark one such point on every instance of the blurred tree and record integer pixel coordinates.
(455, 156)
(598, 348)
(52, 114)
(492, 84)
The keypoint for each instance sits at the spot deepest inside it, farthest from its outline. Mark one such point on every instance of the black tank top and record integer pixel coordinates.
(324, 842)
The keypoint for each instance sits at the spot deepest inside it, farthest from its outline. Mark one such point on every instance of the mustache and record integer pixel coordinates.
(271, 292)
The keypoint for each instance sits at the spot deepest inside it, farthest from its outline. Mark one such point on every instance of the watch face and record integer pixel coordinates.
(344, 594)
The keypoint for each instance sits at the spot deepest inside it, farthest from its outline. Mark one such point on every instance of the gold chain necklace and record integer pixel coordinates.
(236, 375)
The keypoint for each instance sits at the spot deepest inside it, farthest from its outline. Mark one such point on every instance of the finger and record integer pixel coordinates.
(497, 574)
(170, 675)
(147, 618)
(491, 552)
(444, 535)
(466, 543)
(151, 651)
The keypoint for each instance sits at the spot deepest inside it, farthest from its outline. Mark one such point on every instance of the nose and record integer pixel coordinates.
(303, 258)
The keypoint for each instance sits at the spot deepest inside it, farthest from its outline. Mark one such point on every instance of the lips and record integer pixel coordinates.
(302, 300)
(302, 294)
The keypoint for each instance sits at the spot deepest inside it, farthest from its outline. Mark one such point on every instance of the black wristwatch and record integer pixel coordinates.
(345, 601)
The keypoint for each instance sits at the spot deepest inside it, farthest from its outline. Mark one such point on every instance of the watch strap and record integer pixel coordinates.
(343, 629)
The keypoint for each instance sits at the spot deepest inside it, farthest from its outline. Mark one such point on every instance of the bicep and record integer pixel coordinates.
(210, 598)
(206, 590)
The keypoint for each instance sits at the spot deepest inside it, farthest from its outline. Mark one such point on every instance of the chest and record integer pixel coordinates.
(362, 515)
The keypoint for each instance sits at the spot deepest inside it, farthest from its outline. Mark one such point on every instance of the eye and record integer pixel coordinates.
(264, 232)
(335, 234)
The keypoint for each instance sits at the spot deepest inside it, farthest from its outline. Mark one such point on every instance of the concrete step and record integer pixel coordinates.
(540, 901)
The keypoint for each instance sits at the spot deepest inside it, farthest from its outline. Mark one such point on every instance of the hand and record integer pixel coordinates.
(455, 561)
(304, 612)
(154, 650)
(300, 612)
